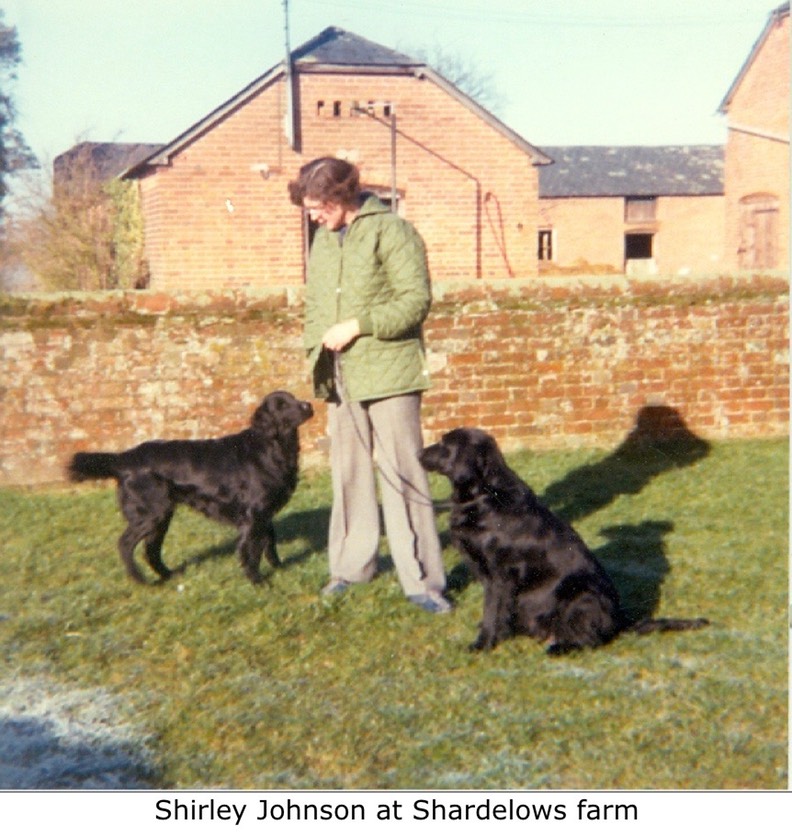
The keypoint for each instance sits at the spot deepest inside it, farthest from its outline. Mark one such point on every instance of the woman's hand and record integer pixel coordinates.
(341, 334)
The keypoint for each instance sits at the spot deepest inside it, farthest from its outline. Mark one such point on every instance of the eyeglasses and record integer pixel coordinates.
(315, 205)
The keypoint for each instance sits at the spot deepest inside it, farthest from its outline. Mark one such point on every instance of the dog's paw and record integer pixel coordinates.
(563, 649)
(483, 642)
(138, 577)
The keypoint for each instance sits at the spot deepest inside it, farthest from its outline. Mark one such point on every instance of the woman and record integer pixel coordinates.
(367, 296)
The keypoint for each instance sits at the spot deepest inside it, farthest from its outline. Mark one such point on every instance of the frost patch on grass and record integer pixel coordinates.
(52, 737)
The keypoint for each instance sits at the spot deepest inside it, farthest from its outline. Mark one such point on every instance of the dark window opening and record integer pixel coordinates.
(336, 108)
(638, 245)
(545, 249)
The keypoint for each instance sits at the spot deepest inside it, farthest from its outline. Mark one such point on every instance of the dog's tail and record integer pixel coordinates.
(85, 466)
(664, 625)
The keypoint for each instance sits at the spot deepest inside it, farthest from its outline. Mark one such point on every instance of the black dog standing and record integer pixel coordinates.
(539, 577)
(242, 479)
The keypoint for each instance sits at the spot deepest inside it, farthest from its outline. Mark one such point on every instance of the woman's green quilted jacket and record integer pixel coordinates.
(377, 273)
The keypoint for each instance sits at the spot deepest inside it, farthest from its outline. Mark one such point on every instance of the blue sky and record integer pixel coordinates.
(570, 73)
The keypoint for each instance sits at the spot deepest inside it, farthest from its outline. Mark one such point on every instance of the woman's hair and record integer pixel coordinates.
(326, 179)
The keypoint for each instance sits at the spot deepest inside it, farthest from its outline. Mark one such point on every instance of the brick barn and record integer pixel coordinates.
(215, 202)
(756, 107)
(639, 210)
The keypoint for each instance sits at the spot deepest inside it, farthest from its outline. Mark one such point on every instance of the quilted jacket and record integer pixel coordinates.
(377, 273)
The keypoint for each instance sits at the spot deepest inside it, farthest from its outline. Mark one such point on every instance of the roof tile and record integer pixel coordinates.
(638, 171)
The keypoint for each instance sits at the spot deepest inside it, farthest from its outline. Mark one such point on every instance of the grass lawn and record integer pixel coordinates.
(273, 687)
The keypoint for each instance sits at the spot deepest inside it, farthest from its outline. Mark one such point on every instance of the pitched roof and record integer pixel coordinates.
(774, 17)
(634, 171)
(337, 47)
(107, 159)
(333, 50)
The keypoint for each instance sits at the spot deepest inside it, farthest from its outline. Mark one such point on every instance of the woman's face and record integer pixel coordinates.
(326, 213)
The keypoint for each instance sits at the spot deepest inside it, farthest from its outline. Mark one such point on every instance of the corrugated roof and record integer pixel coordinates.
(639, 171)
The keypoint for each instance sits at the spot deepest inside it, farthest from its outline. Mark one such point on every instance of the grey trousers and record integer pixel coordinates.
(384, 435)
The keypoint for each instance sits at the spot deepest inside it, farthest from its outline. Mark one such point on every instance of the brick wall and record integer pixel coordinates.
(550, 365)
(755, 167)
(762, 97)
(538, 363)
(757, 148)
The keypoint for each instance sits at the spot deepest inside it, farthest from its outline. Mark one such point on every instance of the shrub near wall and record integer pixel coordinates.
(538, 364)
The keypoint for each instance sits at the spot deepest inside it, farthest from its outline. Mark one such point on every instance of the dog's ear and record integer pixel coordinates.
(456, 456)
(264, 419)
(491, 465)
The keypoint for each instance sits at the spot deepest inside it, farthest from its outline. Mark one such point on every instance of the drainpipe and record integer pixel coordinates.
(394, 191)
(292, 104)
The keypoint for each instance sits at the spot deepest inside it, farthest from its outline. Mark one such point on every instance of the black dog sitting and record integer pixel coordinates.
(242, 479)
(539, 577)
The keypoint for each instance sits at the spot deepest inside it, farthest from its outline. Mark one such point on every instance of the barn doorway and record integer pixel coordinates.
(758, 232)
(639, 254)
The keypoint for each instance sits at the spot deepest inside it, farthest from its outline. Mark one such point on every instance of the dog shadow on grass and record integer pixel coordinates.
(635, 558)
(306, 529)
(635, 555)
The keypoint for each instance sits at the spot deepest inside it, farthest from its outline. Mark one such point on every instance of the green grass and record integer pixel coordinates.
(274, 687)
